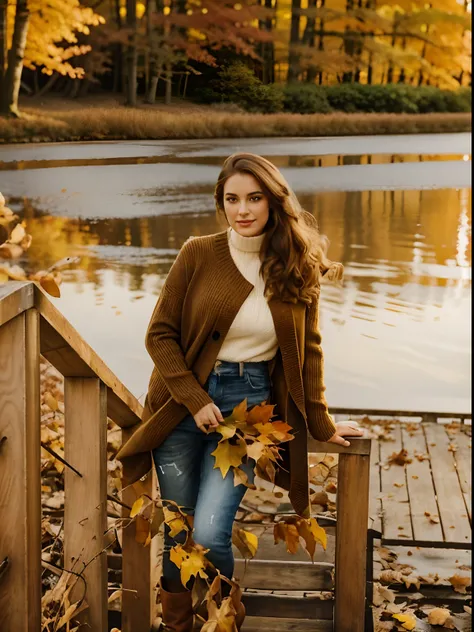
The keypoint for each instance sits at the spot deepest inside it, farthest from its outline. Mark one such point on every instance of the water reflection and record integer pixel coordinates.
(397, 335)
(328, 160)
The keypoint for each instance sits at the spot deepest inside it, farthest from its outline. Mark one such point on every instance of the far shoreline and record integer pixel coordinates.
(87, 122)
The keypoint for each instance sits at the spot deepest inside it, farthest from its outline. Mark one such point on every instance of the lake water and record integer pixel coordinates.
(398, 216)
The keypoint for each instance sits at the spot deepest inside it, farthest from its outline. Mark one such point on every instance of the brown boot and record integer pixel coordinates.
(177, 611)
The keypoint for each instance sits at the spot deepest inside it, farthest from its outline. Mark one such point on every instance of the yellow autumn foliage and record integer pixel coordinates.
(51, 24)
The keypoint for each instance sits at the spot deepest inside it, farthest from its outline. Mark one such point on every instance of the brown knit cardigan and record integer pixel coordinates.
(201, 296)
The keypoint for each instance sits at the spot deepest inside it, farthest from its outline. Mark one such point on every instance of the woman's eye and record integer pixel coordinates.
(256, 199)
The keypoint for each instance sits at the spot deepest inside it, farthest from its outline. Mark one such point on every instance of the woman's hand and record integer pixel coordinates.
(345, 429)
(208, 418)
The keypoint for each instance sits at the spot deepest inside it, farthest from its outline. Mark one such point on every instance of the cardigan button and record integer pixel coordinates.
(216, 335)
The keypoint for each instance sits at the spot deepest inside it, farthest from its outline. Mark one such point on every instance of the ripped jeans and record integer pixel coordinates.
(186, 473)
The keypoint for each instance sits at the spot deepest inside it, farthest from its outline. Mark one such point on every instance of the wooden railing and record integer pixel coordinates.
(31, 326)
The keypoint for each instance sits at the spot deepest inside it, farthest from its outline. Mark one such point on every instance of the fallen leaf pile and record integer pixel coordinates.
(404, 615)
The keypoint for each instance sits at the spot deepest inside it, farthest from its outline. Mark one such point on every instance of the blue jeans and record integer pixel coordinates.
(186, 473)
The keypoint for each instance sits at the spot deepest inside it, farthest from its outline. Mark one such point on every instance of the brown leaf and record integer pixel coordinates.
(399, 458)
(382, 594)
(433, 518)
(48, 283)
(289, 534)
(241, 478)
(460, 583)
(441, 616)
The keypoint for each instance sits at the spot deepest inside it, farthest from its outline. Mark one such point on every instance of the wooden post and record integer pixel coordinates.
(20, 474)
(85, 517)
(351, 542)
(137, 607)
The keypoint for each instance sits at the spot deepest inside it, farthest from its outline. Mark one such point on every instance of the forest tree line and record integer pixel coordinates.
(136, 47)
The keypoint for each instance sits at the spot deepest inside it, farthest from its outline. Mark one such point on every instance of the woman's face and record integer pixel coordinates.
(245, 205)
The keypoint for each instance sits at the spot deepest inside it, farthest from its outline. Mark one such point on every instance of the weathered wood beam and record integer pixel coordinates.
(20, 474)
(85, 517)
(358, 446)
(15, 298)
(351, 542)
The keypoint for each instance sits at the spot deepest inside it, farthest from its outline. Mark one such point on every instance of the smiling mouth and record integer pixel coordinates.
(247, 221)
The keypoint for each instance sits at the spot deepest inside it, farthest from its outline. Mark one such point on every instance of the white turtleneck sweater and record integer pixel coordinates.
(252, 336)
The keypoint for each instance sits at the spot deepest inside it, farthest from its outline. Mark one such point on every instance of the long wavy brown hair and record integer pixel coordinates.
(293, 252)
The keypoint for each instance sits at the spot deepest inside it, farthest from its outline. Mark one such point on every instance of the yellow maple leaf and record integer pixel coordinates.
(178, 555)
(408, 620)
(137, 505)
(246, 542)
(192, 566)
(311, 533)
(228, 455)
(175, 521)
(227, 430)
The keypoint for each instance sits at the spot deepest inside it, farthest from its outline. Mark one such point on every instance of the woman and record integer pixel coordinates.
(237, 318)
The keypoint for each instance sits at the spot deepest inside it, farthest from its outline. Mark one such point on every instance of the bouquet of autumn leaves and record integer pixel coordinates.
(246, 434)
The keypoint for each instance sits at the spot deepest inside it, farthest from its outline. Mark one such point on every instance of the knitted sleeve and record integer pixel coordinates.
(320, 423)
(164, 334)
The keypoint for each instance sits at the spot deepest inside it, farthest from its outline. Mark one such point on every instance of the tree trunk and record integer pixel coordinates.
(12, 76)
(168, 85)
(370, 70)
(309, 40)
(349, 44)
(132, 54)
(293, 57)
(154, 38)
(118, 83)
(3, 43)
(269, 49)
(151, 96)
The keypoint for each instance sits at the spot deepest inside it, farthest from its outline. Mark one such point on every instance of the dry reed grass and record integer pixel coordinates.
(122, 123)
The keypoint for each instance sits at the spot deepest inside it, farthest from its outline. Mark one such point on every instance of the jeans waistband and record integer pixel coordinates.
(237, 368)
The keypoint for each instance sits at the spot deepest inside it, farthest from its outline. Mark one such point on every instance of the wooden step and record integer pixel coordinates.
(266, 574)
(270, 624)
(259, 604)
(284, 575)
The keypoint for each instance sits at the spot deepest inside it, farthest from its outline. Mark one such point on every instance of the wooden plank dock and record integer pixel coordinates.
(426, 501)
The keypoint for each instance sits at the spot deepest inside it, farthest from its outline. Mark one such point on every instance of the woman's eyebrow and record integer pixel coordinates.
(253, 193)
